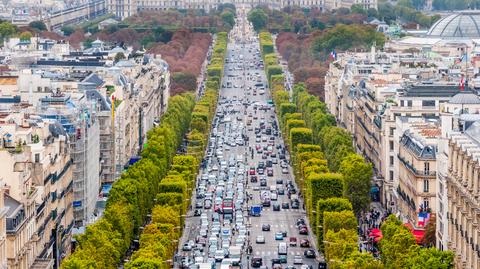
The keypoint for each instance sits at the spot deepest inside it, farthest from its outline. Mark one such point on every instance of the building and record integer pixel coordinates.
(126, 8)
(3, 229)
(416, 152)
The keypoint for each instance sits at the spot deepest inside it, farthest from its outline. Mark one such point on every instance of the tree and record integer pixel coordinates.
(119, 56)
(258, 18)
(357, 176)
(228, 18)
(396, 244)
(67, 30)
(333, 204)
(430, 258)
(38, 25)
(429, 238)
(25, 36)
(358, 9)
(335, 221)
(7, 29)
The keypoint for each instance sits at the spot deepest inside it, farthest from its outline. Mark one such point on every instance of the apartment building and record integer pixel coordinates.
(416, 153)
(3, 228)
(37, 173)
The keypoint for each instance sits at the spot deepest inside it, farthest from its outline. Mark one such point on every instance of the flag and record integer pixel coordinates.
(333, 55)
(461, 59)
(462, 83)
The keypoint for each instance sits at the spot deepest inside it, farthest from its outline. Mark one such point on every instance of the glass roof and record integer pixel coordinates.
(459, 25)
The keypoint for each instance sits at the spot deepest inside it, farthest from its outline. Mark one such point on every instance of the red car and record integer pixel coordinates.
(293, 241)
(304, 243)
(303, 230)
(252, 171)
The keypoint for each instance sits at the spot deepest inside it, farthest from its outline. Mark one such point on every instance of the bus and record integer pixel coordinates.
(227, 206)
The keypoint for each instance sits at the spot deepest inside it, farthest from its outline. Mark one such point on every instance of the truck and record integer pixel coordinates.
(255, 210)
(227, 206)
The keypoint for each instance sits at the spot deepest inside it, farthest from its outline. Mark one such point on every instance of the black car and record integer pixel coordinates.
(295, 205)
(276, 207)
(263, 183)
(280, 191)
(253, 179)
(197, 212)
(300, 222)
(284, 233)
(275, 261)
(279, 181)
(266, 227)
(309, 253)
(281, 156)
(256, 261)
(285, 206)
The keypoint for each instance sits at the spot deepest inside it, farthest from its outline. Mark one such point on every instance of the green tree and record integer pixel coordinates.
(430, 258)
(228, 18)
(396, 244)
(67, 30)
(119, 56)
(258, 18)
(357, 177)
(7, 29)
(25, 36)
(38, 25)
(358, 9)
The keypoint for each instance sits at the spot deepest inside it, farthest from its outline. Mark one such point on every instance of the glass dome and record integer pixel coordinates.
(464, 24)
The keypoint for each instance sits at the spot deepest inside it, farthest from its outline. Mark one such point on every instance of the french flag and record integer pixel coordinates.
(333, 55)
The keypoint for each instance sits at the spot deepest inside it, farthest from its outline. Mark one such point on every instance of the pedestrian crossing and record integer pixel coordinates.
(270, 253)
(277, 226)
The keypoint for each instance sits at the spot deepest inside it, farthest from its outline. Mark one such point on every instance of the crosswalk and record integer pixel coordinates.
(277, 226)
(270, 253)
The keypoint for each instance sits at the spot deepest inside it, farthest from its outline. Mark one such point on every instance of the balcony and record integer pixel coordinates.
(409, 166)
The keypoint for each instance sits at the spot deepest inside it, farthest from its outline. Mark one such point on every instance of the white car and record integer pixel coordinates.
(297, 260)
(260, 239)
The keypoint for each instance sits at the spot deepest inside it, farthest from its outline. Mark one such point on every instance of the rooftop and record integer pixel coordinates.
(463, 24)
(430, 90)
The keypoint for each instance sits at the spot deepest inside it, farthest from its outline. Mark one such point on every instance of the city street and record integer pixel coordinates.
(246, 159)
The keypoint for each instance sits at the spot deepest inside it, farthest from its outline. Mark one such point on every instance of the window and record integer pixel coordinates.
(402, 103)
(428, 103)
(391, 175)
(409, 103)
(441, 207)
(440, 186)
(392, 130)
(391, 160)
(391, 145)
(426, 185)
(426, 168)
(37, 157)
(426, 203)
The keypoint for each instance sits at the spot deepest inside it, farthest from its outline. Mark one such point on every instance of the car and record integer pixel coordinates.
(260, 171)
(263, 182)
(208, 204)
(256, 262)
(270, 172)
(279, 181)
(285, 206)
(280, 191)
(219, 255)
(186, 247)
(265, 227)
(284, 171)
(297, 260)
(199, 204)
(309, 253)
(282, 258)
(304, 243)
(260, 239)
(295, 205)
(276, 261)
(300, 222)
(276, 266)
(253, 179)
(303, 230)
(292, 241)
(306, 266)
(279, 236)
(276, 207)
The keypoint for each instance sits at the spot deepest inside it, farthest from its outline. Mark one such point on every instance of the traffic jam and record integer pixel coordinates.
(246, 210)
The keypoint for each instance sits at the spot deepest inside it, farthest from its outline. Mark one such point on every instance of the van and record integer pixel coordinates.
(282, 248)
